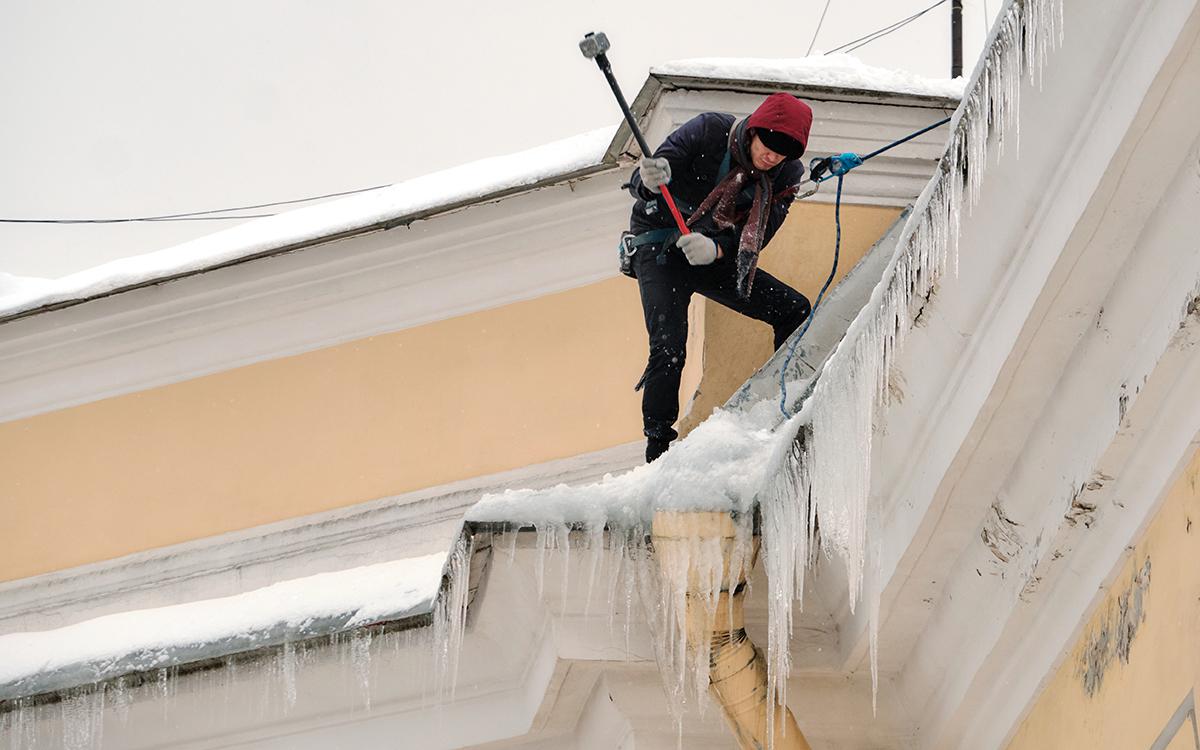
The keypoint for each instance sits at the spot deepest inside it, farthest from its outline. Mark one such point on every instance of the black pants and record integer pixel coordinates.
(667, 281)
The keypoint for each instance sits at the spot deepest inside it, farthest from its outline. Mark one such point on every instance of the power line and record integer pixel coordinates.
(897, 26)
(130, 220)
(879, 33)
(195, 215)
(856, 43)
(818, 31)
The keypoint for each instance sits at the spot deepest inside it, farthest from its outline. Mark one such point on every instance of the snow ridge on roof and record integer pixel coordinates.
(440, 189)
(113, 645)
(447, 187)
(831, 71)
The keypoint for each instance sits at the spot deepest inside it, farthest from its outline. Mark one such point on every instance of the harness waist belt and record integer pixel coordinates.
(654, 236)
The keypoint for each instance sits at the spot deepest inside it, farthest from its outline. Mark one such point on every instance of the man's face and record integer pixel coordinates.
(763, 157)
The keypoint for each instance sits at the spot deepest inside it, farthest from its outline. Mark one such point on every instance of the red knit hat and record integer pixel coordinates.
(783, 115)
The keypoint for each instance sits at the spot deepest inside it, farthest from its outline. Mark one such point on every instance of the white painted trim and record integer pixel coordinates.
(482, 257)
(1015, 354)
(1018, 664)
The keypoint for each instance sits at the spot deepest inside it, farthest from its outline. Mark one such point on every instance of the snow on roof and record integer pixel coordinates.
(447, 187)
(463, 183)
(456, 185)
(112, 645)
(723, 465)
(832, 71)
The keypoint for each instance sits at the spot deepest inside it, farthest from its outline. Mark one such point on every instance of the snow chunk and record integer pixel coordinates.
(833, 71)
(112, 645)
(721, 466)
(448, 187)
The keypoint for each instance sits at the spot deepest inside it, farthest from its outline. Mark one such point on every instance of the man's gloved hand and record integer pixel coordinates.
(655, 173)
(700, 250)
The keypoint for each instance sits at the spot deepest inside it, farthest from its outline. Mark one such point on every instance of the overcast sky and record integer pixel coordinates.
(142, 107)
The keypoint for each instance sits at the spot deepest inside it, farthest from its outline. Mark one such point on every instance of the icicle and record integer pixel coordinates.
(787, 538)
(543, 541)
(121, 699)
(23, 732)
(83, 718)
(562, 544)
(824, 474)
(450, 614)
(287, 671)
(510, 549)
(594, 545)
(616, 567)
(360, 655)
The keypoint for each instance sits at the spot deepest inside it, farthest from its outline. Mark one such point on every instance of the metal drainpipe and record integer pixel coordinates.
(737, 670)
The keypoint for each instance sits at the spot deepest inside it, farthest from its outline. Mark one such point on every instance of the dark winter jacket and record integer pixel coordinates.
(695, 152)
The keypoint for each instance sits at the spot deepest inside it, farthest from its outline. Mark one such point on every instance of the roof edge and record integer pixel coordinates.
(673, 81)
(379, 226)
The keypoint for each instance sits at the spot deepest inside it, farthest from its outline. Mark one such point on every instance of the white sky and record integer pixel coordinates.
(138, 107)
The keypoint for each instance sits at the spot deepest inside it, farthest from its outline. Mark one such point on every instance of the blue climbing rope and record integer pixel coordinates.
(821, 170)
(837, 248)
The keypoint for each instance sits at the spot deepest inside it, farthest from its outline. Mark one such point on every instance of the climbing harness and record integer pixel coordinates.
(821, 170)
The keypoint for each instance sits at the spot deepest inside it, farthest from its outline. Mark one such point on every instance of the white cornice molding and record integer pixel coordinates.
(480, 257)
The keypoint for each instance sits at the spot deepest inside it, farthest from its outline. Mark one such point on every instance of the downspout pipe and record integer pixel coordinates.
(737, 669)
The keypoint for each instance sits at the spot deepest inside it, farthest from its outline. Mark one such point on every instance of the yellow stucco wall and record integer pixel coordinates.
(474, 395)
(1113, 691)
(464, 397)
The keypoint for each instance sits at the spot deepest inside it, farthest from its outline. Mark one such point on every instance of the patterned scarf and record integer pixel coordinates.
(722, 201)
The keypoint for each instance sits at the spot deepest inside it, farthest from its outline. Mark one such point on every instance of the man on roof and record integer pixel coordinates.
(734, 180)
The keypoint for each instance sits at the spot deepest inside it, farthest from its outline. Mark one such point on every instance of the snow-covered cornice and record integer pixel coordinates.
(108, 647)
(401, 204)
(837, 75)
(474, 238)
(832, 77)
(248, 594)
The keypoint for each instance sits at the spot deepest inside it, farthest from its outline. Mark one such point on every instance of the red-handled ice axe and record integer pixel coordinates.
(594, 45)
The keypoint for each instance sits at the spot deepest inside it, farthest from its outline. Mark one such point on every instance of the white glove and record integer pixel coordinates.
(655, 173)
(700, 250)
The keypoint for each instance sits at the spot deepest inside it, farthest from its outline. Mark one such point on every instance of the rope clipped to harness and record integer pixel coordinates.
(821, 170)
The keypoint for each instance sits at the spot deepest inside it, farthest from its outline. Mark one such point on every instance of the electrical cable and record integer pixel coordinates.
(818, 31)
(195, 215)
(882, 32)
(892, 29)
(896, 27)
(879, 33)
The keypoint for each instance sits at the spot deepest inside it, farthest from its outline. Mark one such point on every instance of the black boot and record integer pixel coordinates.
(655, 448)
